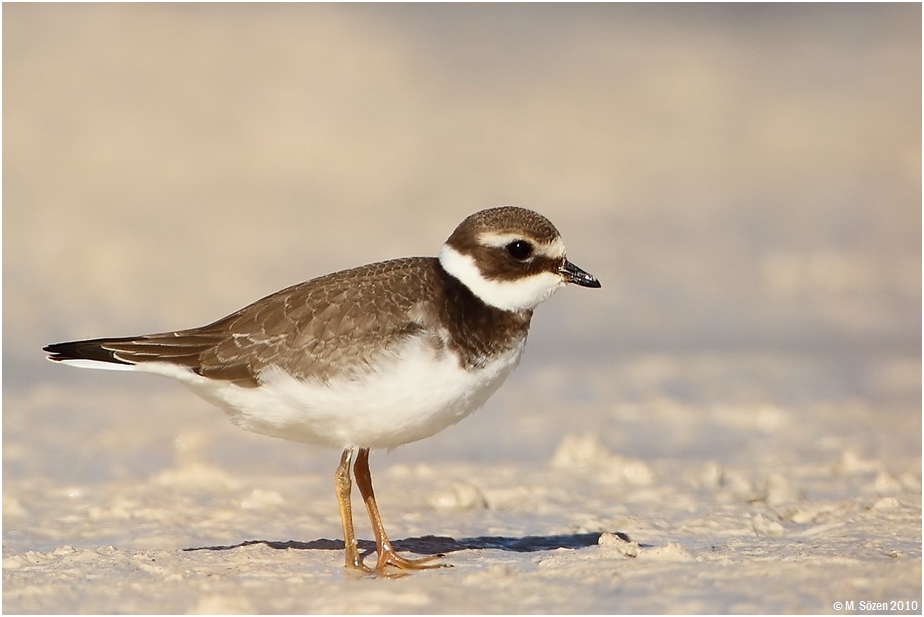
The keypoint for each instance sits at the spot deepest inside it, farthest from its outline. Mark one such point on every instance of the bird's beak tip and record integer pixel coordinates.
(572, 274)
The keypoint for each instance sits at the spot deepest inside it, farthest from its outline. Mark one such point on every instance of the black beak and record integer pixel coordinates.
(573, 274)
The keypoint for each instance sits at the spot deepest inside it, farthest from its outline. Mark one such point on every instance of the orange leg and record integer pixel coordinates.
(344, 486)
(387, 554)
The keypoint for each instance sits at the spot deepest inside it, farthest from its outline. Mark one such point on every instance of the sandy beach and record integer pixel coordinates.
(732, 424)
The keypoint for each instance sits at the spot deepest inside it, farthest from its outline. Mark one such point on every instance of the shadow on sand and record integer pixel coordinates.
(439, 545)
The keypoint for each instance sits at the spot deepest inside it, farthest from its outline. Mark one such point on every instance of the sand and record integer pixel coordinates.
(732, 424)
(773, 510)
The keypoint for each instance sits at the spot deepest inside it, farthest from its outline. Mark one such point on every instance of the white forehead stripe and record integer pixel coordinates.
(509, 295)
(554, 249)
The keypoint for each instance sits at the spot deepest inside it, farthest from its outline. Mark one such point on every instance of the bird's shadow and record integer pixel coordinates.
(439, 545)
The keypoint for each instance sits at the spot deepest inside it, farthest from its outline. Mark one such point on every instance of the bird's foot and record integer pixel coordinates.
(391, 564)
(388, 558)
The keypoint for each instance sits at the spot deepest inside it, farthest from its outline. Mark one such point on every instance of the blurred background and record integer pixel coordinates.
(745, 180)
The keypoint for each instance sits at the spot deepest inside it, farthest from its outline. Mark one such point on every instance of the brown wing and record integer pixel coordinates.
(331, 325)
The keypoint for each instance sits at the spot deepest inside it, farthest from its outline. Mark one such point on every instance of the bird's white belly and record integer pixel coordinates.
(411, 395)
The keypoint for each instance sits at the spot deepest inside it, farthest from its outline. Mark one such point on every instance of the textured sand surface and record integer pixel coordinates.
(731, 424)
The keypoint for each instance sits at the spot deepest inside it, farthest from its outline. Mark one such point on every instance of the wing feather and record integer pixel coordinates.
(339, 323)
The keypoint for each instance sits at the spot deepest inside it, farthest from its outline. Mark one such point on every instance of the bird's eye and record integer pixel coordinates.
(520, 249)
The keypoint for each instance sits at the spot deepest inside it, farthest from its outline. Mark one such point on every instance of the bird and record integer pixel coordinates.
(367, 358)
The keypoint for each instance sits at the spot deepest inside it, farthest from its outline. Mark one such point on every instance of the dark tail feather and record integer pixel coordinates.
(83, 350)
(183, 348)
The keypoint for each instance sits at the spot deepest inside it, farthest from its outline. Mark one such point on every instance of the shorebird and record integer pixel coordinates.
(373, 357)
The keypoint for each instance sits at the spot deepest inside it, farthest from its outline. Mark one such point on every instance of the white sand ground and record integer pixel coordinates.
(774, 509)
(741, 399)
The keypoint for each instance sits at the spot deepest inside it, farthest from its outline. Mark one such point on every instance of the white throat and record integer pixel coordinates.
(510, 295)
